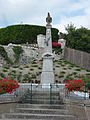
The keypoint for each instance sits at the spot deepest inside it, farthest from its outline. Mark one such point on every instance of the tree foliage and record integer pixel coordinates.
(78, 39)
(19, 34)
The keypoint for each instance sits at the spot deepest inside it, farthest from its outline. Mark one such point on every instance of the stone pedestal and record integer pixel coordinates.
(47, 75)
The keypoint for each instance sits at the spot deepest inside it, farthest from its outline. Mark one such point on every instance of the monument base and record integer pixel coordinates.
(47, 77)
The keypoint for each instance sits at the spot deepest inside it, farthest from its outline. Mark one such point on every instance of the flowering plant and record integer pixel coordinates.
(56, 44)
(8, 86)
(74, 85)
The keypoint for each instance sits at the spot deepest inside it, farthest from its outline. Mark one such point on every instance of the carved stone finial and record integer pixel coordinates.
(48, 19)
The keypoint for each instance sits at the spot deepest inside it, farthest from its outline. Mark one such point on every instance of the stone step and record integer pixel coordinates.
(45, 106)
(43, 97)
(38, 116)
(41, 111)
(34, 119)
(43, 93)
(39, 101)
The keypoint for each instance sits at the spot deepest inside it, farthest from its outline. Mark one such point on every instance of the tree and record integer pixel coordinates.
(78, 38)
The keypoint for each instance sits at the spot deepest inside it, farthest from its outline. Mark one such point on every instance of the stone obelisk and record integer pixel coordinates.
(47, 75)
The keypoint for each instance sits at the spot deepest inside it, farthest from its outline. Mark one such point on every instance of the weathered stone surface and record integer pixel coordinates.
(27, 56)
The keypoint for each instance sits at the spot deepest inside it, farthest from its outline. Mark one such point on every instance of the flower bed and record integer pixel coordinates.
(74, 85)
(8, 86)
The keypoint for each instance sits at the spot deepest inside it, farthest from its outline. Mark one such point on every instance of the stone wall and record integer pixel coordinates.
(78, 58)
(27, 56)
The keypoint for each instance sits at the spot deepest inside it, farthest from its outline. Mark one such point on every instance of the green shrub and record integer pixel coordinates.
(74, 73)
(13, 71)
(39, 68)
(18, 34)
(57, 66)
(87, 73)
(56, 75)
(88, 70)
(15, 66)
(2, 75)
(26, 66)
(4, 70)
(27, 77)
(60, 76)
(31, 69)
(86, 80)
(33, 76)
(6, 67)
(21, 68)
(34, 65)
(65, 68)
(62, 72)
(68, 77)
(78, 69)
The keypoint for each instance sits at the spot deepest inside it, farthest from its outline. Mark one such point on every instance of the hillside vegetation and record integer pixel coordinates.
(19, 34)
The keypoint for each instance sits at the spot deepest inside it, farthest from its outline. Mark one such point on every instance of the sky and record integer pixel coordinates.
(63, 12)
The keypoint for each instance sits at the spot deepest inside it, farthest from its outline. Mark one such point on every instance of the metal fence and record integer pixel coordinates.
(42, 93)
(35, 92)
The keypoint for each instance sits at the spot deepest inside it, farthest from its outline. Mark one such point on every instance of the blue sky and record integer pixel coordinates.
(63, 12)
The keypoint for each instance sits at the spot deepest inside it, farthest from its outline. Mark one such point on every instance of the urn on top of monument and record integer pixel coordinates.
(48, 19)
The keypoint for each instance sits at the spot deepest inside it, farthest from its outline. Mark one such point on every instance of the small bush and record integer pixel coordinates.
(6, 67)
(62, 72)
(4, 70)
(2, 75)
(31, 69)
(78, 69)
(26, 66)
(34, 65)
(39, 68)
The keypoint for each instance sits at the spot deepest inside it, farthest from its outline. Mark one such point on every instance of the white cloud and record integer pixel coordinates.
(35, 12)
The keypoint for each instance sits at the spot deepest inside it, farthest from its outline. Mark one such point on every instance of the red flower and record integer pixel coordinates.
(74, 85)
(56, 44)
(8, 86)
